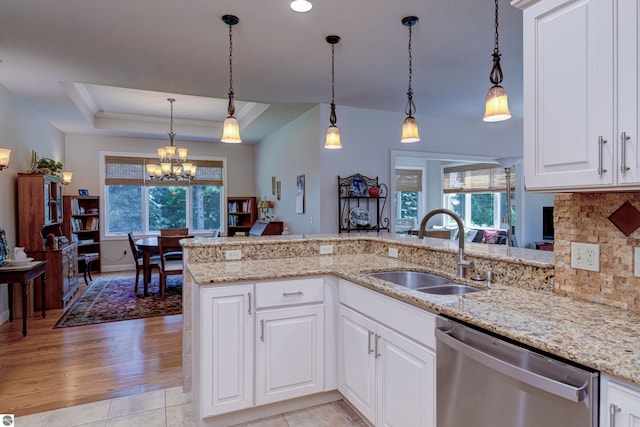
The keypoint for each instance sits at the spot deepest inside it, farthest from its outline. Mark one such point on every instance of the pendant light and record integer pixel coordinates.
(332, 141)
(497, 104)
(231, 129)
(410, 125)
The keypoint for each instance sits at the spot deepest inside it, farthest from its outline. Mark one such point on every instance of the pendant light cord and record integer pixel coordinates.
(231, 108)
(496, 76)
(172, 134)
(411, 107)
(332, 116)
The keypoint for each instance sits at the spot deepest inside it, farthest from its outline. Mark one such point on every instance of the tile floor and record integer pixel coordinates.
(173, 408)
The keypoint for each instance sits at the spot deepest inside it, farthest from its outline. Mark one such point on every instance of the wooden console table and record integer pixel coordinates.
(23, 275)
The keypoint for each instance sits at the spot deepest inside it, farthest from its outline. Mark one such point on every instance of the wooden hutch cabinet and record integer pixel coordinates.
(40, 216)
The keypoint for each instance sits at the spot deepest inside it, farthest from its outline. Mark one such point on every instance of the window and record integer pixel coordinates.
(134, 203)
(477, 193)
(408, 194)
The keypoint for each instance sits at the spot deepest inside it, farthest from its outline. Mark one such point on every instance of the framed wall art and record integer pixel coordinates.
(300, 194)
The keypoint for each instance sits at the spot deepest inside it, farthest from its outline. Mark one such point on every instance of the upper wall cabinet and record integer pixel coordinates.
(581, 95)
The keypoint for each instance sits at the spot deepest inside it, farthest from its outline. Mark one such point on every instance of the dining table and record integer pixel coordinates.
(148, 246)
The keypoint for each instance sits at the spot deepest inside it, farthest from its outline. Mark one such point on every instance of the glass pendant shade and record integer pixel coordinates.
(333, 138)
(301, 5)
(166, 168)
(162, 153)
(410, 131)
(231, 131)
(497, 105)
(5, 153)
(171, 151)
(182, 153)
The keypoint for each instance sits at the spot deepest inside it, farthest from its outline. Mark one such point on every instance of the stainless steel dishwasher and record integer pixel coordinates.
(486, 381)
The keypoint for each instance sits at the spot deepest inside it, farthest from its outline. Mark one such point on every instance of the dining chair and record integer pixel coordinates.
(168, 246)
(154, 261)
(174, 231)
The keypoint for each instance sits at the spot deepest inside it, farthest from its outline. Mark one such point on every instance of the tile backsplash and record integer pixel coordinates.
(584, 218)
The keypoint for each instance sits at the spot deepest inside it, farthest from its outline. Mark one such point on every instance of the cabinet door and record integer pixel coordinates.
(628, 128)
(405, 378)
(226, 355)
(568, 94)
(357, 364)
(621, 407)
(290, 353)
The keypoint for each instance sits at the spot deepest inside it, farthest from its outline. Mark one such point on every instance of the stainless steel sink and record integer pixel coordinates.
(411, 279)
(424, 282)
(449, 289)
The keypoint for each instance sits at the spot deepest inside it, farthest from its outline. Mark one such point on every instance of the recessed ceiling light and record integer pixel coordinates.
(301, 5)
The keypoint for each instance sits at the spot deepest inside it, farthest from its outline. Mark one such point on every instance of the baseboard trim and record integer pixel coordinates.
(117, 268)
(270, 410)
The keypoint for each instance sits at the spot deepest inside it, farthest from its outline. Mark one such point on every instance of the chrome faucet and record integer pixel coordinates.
(462, 263)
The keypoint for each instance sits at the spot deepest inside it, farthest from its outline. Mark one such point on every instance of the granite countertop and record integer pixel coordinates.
(604, 338)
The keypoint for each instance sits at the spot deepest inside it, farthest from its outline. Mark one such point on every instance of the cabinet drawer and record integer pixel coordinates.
(410, 321)
(289, 292)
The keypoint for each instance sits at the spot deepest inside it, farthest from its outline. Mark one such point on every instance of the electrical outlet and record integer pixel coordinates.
(636, 262)
(585, 256)
(326, 249)
(393, 252)
(233, 255)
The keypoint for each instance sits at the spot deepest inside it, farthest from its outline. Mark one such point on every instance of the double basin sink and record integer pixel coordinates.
(424, 282)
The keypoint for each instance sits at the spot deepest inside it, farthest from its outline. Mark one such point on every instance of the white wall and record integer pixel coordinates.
(291, 151)
(368, 136)
(22, 130)
(82, 154)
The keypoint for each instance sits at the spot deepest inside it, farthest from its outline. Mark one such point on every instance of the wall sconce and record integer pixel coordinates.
(66, 177)
(5, 153)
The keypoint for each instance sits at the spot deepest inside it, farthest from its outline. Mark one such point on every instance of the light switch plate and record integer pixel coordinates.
(585, 256)
(232, 255)
(393, 252)
(636, 262)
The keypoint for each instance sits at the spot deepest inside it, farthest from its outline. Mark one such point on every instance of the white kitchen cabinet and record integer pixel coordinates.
(580, 94)
(619, 404)
(289, 339)
(387, 375)
(290, 353)
(227, 349)
(357, 364)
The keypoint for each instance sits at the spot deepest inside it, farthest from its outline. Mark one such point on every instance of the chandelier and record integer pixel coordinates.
(172, 167)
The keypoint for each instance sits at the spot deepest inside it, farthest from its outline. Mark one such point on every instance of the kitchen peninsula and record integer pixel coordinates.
(520, 304)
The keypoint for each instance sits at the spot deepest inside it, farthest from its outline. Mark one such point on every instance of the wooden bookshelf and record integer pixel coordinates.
(241, 215)
(81, 225)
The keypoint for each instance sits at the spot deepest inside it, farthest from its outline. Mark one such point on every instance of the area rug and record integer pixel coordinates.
(110, 299)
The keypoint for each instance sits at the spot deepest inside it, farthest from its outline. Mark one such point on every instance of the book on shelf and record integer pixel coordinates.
(92, 223)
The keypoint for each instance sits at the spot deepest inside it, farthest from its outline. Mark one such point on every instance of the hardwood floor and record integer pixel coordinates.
(55, 368)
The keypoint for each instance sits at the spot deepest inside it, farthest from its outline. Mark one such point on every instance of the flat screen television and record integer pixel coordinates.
(547, 223)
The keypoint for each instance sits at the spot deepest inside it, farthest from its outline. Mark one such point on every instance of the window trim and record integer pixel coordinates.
(103, 199)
